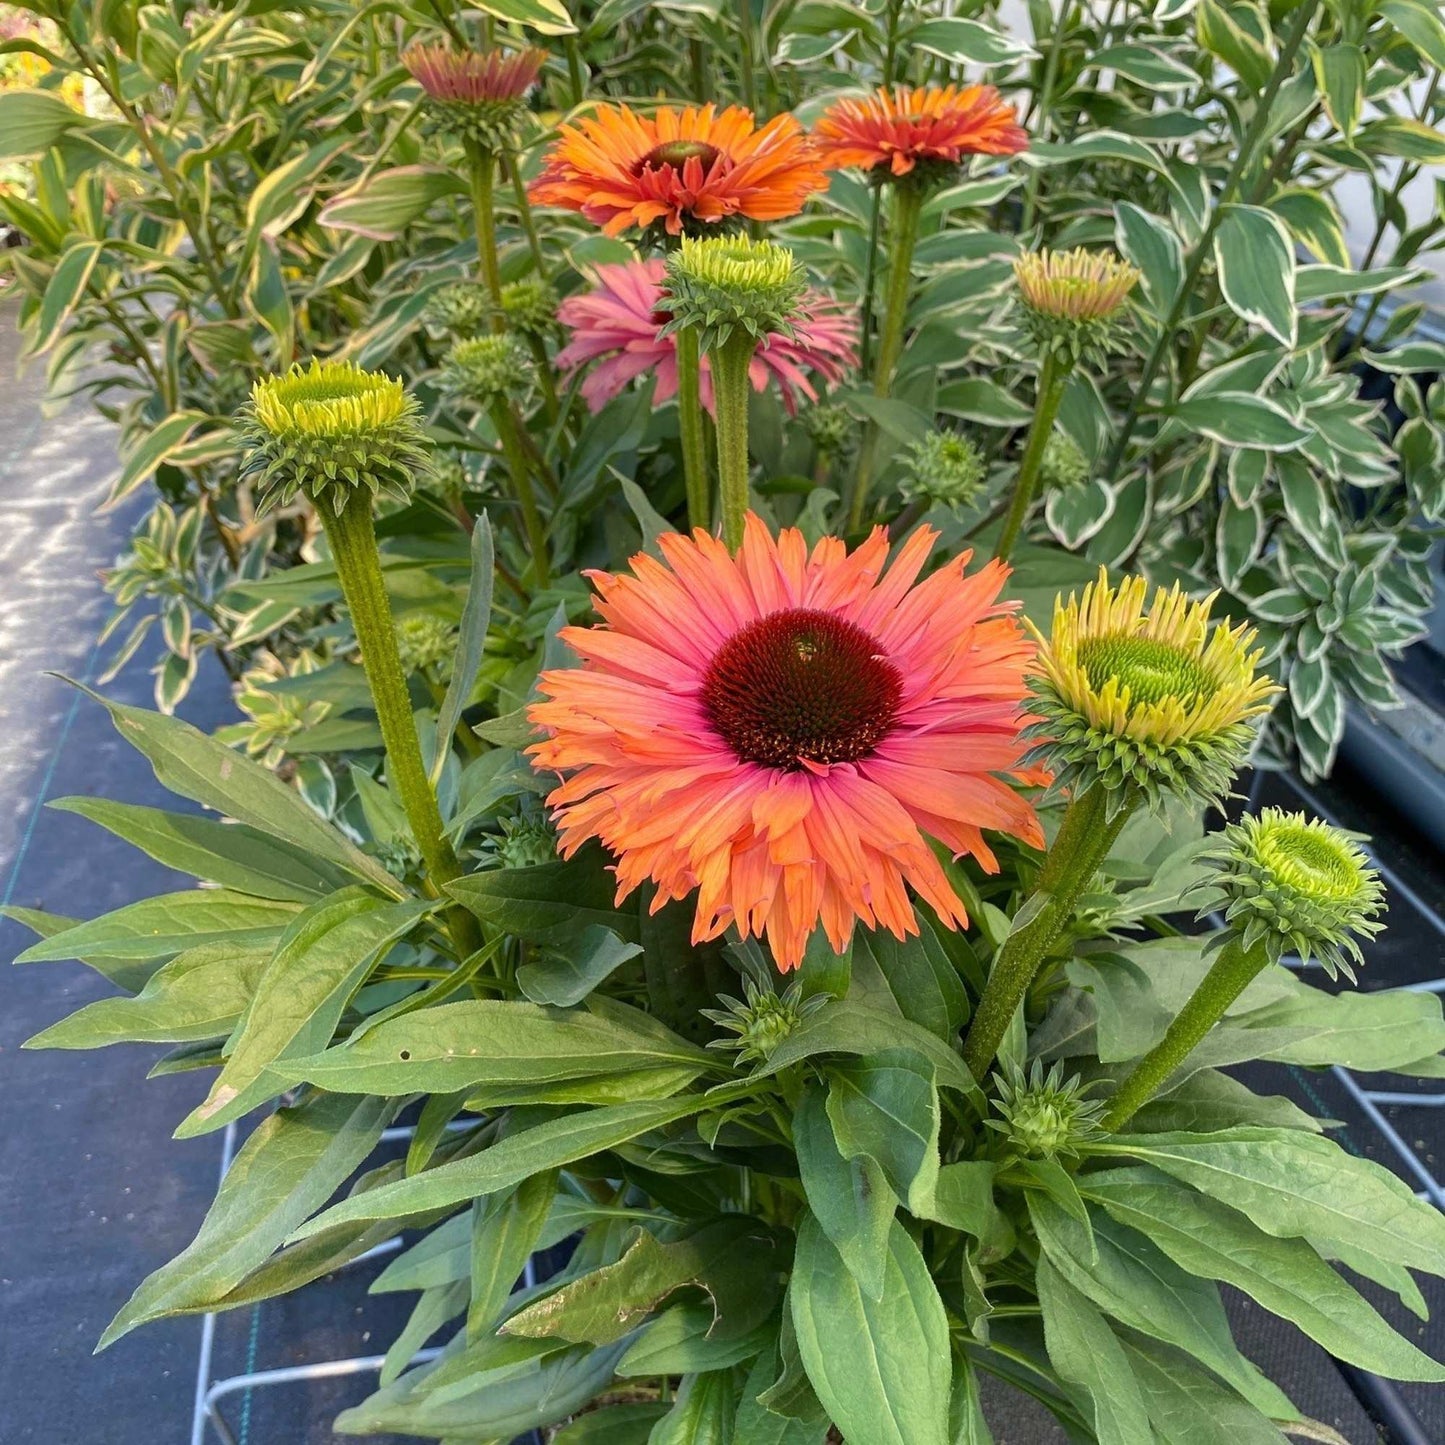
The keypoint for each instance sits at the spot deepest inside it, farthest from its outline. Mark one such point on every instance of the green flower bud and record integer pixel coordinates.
(945, 468)
(723, 285)
(1071, 300)
(1063, 463)
(328, 429)
(530, 307)
(487, 369)
(761, 1019)
(830, 428)
(1299, 884)
(425, 642)
(1044, 1116)
(460, 309)
(527, 842)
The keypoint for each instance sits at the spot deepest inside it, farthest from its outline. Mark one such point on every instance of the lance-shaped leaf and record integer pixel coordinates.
(476, 615)
(319, 963)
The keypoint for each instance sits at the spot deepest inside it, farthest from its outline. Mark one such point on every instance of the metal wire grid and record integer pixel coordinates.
(1371, 1103)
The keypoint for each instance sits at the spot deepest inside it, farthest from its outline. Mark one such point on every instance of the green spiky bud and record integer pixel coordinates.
(1299, 884)
(487, 369)
(527, 841)
(460, 309)
(762, 1018)
(1044, 1116)
(1063, 463)
(944, 468)
(724, 285)
(328, 429)
(529, 306)
(425, 642)
(830, 428)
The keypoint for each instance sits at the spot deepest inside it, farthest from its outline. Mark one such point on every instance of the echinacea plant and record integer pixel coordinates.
(792, 929)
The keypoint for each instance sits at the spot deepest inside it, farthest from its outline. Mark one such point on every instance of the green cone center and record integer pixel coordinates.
(1151, 670)
(1309, 861)
(675, 154)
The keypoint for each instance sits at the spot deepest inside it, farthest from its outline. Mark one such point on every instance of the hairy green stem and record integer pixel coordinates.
(1204, 247)
(481, 172)
(690, 425)
(1083, 842)
(730, 363)
(1232, 971)
(521, 474)
(1053, 378)
(352, 535)
(907, 207)
(524, 213)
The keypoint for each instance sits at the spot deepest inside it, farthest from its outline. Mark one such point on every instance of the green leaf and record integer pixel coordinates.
(478, 1042)
(198, 767)
(383, 205)
(1188, 1406)
(757, 1425)
(966, 1422)
(68, 283)
(505, 1228)
(613, 1425)
(140, 462)
(546, 1146)
(1088, 1356)
(1315, 222)
(1286, 1276)
(1135, 1284)
(1099, 145)
(165, 924)
(885, 1106)
(32, 121)
(677, 1342)
(199, 994)
(1155, 249)
(1241, 420)
(476, 617)
(566, 976)
(1340, 73)
(1404, 137)
(914, 974)
(702, 1413)
(1238, 47)
(967, 42)
(847, 1027)
(233, 855)
(550, 902)
(883, 1369)
(735, 1260)
(549, 17)
(290, 1165)
(1419, 22)
(319, 963)
(1296, 1185)
(850, 1198)
(1256, 264)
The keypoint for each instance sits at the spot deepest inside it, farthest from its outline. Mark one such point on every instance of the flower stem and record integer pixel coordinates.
(907, 207)
(745, 62)
(524, 213)
(506, 426)
(689, 420)
(730, 396)
(1052, 380)
(1231, 973)
(481, 170)
(1083, 842)
(352, 535)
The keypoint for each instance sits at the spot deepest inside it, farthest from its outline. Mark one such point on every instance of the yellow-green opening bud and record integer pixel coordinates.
(1148, 702)
(1072, 300)
(328, 429)
(726, 285)
(1299, 884)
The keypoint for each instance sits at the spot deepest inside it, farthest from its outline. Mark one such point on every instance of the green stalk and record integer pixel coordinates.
(1044, 101)
(352, 535)
(1233, 970)
(481, 172)
(576, 76)
(524, 213)
(506, 427)
(690, 424)
(1204, 247)
(746, 62)
(1053, 378)
(907, 207)
(730, 396)
(1083, 842)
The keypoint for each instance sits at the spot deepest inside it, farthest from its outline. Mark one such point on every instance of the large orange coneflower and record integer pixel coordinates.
(621, 169)
(903, 128)
(779, 730)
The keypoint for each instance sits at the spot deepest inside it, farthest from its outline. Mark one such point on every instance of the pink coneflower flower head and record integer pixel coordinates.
(616, 325)
(781, 731)
(475, 93)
